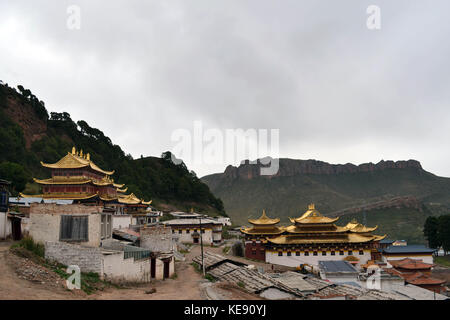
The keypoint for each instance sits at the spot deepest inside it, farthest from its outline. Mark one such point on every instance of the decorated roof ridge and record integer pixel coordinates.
(355, 226)
(312, 215)
(264, 220)
(122, 190)
(75, 160)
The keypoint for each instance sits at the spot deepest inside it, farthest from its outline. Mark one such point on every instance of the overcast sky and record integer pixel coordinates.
(337, 91)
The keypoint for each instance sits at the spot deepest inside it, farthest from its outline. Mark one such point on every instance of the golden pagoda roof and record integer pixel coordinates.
(298, 230)
(63, 180)
(63, 196)
(131, 199)
(122, 190)
(75, 160)
(354, 226)
(264, 220)
(349, 238)
(147, 202)
(118, 185)
(313, 216)
(269, 231)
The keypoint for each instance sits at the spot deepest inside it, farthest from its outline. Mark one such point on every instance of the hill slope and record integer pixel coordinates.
(29, 135)
(332, 187)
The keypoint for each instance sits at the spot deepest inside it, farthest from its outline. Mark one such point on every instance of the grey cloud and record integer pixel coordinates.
(337, 91)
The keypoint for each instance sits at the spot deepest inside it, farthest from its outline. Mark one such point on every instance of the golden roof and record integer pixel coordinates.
(272, 230)
(298, 230)
(122, 190)
(131, 199)
(118, 185)
(313, 216)
(62, 196)
(354, 226)
(348, 238)
(264, 220)
(75, 160)
(63, 180)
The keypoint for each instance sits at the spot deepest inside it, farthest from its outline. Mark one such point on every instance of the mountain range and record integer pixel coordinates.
(395, 195)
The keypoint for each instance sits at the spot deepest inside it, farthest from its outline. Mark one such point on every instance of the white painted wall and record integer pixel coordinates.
(116, 268)
(121, 221)
(45, 227)
(5, 226)
(185, 237)
(295, 261)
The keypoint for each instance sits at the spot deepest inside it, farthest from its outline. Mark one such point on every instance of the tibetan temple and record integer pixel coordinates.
(75, 177)
(309, 239)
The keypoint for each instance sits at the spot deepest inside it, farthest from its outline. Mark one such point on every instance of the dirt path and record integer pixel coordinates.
(188, 285)
(14, 288)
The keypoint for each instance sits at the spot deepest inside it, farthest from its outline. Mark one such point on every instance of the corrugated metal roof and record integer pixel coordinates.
(336, 266)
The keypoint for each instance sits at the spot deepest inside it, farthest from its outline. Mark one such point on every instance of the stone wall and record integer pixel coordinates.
(157, 238)
(87, 258)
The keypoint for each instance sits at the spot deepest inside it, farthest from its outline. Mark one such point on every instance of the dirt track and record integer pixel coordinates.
(188, 284)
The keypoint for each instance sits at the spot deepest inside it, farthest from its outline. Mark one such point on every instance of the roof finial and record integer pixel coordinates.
(264, 214)
(311, 206)
(74, 150)
(81, 153)
(88, 157)
(192, 210)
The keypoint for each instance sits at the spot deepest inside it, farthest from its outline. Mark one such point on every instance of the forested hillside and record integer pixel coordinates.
(29, 134)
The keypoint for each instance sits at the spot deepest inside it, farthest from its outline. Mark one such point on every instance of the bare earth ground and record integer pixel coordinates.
(21, 279)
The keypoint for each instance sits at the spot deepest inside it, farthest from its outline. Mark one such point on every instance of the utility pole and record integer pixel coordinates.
(201, 245)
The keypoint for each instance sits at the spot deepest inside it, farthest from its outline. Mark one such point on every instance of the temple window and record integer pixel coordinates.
(324, 253)
(297, 253)
(203, 231)
(315, 253)
(180, 231)
(253, 243)
(333, 253)
(173, 231)
(361, 252)
(341, 253)
(280, 254)
(289, 254)
(254, 252)
(306, 253)
(350, 252)
(187, 231)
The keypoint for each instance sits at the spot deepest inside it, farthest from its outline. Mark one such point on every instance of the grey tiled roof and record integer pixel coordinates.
(408, 249)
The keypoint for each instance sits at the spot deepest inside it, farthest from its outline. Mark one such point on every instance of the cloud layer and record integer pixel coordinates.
(337, 91)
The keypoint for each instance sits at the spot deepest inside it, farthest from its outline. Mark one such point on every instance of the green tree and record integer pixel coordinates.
(444, 231)
(430, 231)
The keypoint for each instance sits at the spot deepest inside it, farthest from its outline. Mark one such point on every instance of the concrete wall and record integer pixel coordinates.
(45, 221)
(121, 221)
(87, 258)
(294, 261)
(110, 265)
(118, 269)
(5, 226)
